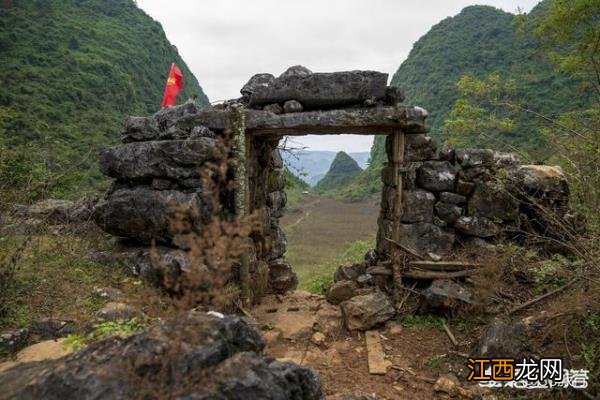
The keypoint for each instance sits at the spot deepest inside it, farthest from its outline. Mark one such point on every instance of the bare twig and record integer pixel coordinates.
(418, 274)
(450, 335)
(406, 249)
(542, 297)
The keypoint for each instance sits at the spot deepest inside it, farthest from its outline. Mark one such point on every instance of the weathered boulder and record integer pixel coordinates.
(276, 202)
(282, 277)
(419, 147)
(417, 206)
(448, 212)
(52, 328)
(476, 226)
(364, 312)
(452, 198)
(464, 188)
(144, 215)
(492, 200)
(12, 341)
(153, 265)
(506, 159)
(508, 338)
(140, 129)
(296, 70)
(437, 176)
(424, 238)
(292, 106)
(215, 358)
(175, 159)
(273, 108)
(349, 272)
(469, 158)
(258, 80)
(322, 90)
(55, 211)
(393, 95)
(114, 311)
(341, 291)
(446, 294)
(540, 180)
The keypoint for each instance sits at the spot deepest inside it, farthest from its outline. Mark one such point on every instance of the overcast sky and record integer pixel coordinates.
(225, 42)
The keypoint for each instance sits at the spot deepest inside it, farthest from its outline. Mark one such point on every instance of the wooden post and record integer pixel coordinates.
(397, 161)
(238, 130)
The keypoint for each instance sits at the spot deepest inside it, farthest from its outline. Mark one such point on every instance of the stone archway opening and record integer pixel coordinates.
(431, 200)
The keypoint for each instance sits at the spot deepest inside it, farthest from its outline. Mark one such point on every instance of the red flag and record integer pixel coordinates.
(173, 87)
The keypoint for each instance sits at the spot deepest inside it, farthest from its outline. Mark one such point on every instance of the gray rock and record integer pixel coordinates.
(278, 243)
(365, 312)
(52, 211)
(371, 257)
(276, 202)
(144, 215)
(503, 337)
(273, 108)
(296, 70)
(175, 159)
(139, 129)
(478, 173)
(349, 272)
(108, 293)
(446, 294)
(426, 238)
(52, 328)
(417, 206)
(168, 117)
(323, 90)
(115, 311)
(540, 180)
(341, 291)
(464, 188)
(447, 153)
(282, 277)
(215, 359)
(479, 244)
(365, 280)
(452, 198)
(476, 226)
(393, 95)
(469, 158)
(436, 176)
(257, 81)
(493, 201)
(419, 147)
(13, 341)
(409, 119)
(197, 132)
(447, 212)
(292, 106)
(276, 160)
(167, 262)
(506, 159)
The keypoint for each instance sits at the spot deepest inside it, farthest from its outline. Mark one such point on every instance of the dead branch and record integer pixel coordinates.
(419, 274)
(542, 297)
(444, 265)
(406, 249)
(450, 335)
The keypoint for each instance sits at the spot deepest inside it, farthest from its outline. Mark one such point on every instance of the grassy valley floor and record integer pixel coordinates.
(324, 233)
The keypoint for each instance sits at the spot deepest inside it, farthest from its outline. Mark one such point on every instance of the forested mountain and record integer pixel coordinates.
(70, 71)
(312, 165)
(342, 170)
(479, 41)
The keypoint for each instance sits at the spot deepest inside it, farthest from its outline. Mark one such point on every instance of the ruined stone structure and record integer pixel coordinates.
(431, 202)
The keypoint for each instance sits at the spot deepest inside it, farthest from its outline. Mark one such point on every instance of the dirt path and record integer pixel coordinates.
(417, 354)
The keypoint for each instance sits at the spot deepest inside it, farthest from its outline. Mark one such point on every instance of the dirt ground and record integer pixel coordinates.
(320, 230)
(416, 355)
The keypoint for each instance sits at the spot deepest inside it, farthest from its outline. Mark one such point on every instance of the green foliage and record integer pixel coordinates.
(105, 330)
(71, 70)
(423, 320)
(320, 283)
(342, 170)
(294, 182)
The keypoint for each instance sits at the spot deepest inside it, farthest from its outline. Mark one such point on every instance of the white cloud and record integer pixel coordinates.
(225, 42)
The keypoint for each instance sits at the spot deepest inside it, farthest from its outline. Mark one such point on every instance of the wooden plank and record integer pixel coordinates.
(376, 357)
(397, 160)
(444, 265)
(420, 274)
